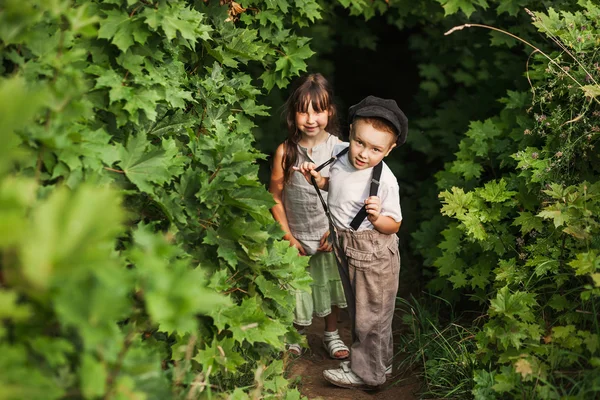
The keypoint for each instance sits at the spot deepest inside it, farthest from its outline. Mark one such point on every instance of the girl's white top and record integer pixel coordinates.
(349, 188)
(303, 209)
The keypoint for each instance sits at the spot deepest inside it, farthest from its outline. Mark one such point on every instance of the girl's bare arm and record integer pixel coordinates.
(276, 188)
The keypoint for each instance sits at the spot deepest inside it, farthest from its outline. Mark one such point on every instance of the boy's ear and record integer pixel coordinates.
(391, 148)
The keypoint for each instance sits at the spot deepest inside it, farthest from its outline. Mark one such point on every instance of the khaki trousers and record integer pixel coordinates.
(369, 264)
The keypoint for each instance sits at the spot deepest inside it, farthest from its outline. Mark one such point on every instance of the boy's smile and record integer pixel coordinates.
(368, 146)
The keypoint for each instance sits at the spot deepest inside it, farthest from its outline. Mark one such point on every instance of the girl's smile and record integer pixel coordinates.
(312, 123)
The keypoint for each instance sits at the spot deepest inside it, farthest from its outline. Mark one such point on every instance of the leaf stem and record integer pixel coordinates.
(110, 380)
(460, 27)
(114, 170)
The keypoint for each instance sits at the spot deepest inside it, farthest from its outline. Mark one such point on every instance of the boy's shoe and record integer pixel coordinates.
(388, 371)
(344, 377)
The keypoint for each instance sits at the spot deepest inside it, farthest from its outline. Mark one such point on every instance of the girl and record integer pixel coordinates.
(311, 121)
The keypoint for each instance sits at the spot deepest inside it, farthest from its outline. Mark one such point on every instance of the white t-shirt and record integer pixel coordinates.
(349, 188)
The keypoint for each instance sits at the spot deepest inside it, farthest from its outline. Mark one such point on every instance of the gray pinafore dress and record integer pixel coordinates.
(308, 223)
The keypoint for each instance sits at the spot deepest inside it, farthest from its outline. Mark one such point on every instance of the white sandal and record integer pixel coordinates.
(294, 349)
(334, 344)
(344, 377)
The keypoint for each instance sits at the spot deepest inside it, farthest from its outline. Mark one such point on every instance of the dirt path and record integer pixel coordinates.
(309, 368)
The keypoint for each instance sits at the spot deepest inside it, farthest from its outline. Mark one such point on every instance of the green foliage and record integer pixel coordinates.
(523, 192)
(138, 257)
(440, 351)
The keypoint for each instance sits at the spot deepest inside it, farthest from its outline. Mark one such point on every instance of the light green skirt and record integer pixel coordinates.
(326, 288)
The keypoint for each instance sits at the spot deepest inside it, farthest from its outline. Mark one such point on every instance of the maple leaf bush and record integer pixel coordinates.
(138, 257)
(522, 195)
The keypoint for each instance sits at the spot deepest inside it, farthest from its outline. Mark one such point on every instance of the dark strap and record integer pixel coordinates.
(362, 213)
(314, 182)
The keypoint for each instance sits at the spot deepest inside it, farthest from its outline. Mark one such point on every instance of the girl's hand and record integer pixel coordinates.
(295, 243)
(324, 244)
(308, 170)
(373, 205)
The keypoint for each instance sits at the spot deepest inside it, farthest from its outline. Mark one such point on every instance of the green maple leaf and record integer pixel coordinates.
(109, 78)
(483, 134)
(513, 336)
(244, 45)
(171, 20)
(226, 247)
(257, 203)
(447, 263)
(455, 203)
(452, 239)
(511, 7)
(459, 279)
(177, 97)
(269, 79)
(474, 225)
(559, 302)
(295, 53)
(556, 191)
(251, 108)
(506, 381)
(145, 100)
(591, 91)
(508, 271)
(273, 291)
(219, 280)
(10, 309)
(467, 168)
(281, 4)
(134, 63)
(591, 340)
(266, 17)
(309, 9)
(513, 304)
(501, 39)
(248, 322)
(144, 163)
(480, 274)
(555, 213)
(543, 265)
(495, 192)
(223, 354)
(466, 6)
(586, 263)
(528, 222)
(122, 30)
(516, 100)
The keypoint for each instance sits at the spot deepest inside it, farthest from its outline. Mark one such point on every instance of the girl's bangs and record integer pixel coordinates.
(318, 97)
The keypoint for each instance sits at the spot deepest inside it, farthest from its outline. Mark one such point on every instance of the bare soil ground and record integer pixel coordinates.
(308, 369)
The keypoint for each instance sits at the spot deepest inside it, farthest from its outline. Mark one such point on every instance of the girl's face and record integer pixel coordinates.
(312, 123)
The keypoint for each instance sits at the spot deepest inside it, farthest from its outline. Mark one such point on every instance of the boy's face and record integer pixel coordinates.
(368, 145)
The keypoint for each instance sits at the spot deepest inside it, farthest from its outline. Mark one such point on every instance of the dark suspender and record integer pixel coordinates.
(314, 182)
(362, 213)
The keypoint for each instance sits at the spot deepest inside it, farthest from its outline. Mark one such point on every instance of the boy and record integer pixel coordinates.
(367, 250)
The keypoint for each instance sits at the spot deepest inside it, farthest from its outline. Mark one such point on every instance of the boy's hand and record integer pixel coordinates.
(373, 205)
(324, 244)
(308, 170)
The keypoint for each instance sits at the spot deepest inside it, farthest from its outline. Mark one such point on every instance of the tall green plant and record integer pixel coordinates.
(138, 255)
(524, 236)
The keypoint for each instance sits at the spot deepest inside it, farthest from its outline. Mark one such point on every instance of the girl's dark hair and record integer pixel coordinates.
(309, 88)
